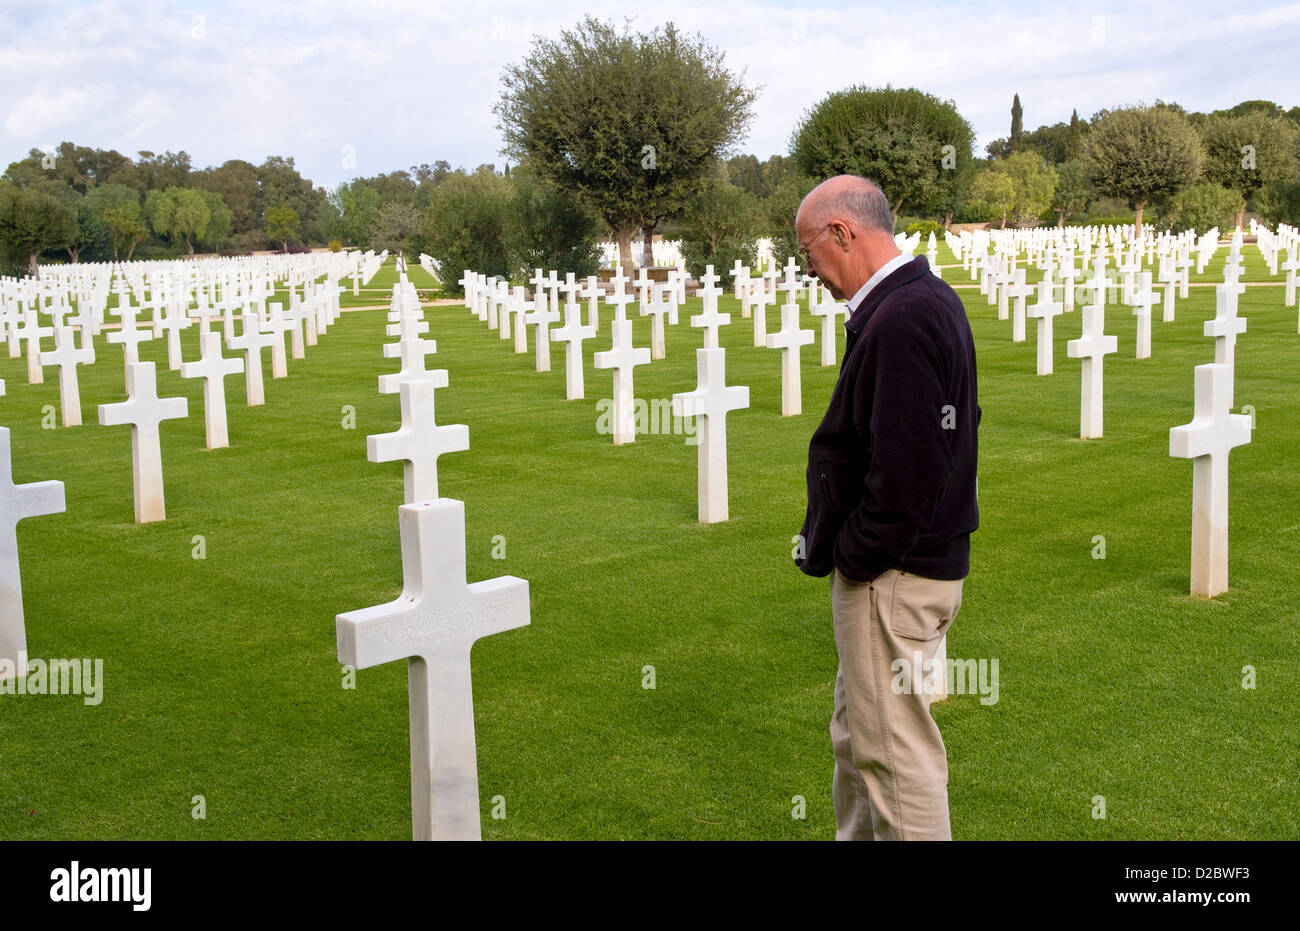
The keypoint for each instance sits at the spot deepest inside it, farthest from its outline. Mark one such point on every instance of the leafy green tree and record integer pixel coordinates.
(549, 229)
(465, 226)
(1141, 153)
(355, 203)
(219, 219)
(394, 226)
(1279, 202)
(282, 224)
(1202, 206)
(33, 222)
(1034, 181)
(237, 183)
(777, 213)
(901, 138)
(1247, 151)
(1073, 191)
(280, 184)
(720, 226)
(629, 123)
(993, 190)
(1017, 124)
(178, 215)
(117, 208)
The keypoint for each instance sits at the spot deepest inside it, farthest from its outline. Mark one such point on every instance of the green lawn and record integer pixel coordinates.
(222, 678)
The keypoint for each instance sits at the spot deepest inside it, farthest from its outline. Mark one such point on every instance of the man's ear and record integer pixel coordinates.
(839, 236)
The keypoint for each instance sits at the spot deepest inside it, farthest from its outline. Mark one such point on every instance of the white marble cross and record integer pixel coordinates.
(710, 403)
(1068, 273)
(1207, 440)
(174, 320)
(591, 294)
(32, 331)
(252, 341)
(128, 335)
(622, 357)
(1142, 299)
(213, 368)
(523, 307)
(433, 624)
(759, 298)
(1092, 347)
(1019, 290)
(541, 317)
(1225, 327)
(619, 296)
(572, 334)
(16, 503)
(829, 311)
(412, 351)
(789, 339)
(1168, 278)
(1044, 310)
(420, 441)
(144, 410)
(710, 319)
(657, 307)
(1291, 266)
(67, 357)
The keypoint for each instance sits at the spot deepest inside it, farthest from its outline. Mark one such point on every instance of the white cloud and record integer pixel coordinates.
(406, 81)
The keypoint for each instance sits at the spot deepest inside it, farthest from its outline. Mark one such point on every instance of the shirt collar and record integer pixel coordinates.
(881, 274)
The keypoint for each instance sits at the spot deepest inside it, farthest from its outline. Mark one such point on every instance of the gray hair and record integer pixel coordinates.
(864, 203)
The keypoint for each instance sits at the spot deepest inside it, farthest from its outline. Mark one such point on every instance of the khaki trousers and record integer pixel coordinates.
(891, 768)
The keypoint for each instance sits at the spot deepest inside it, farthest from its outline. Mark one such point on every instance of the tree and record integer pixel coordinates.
(1139, 153)
(549, 229)
(1017, 124)
(118, 209)
(85, 230)
(1203, 206)
(178, 214)
(630, 124)
(355, 203)
(1247, 151)
(1073, 192)
(776, 219)
(279, 184)
(237, 183)
(1074, 145)
(910, 143)
(994, 191)
(393, 226)
(465, 226)
(281, 223)
(1034, 182)
(720, 226)
(1279, 202)
(32, 222)
(218, 221)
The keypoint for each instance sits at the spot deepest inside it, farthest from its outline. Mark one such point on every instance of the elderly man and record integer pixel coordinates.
(891, 506)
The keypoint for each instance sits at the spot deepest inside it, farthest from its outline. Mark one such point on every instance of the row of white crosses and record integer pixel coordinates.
(436, 619)
(143, 411)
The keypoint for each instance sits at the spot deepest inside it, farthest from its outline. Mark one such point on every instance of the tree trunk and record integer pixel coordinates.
(1060, 224)
(1241, 217)
(130, 252)
(31, 263)
(1137, 221)
(189, 245)
(1004, 219)
(623, 235)
(73, 253)
(893, 212)
(947, 220)
(647, 250)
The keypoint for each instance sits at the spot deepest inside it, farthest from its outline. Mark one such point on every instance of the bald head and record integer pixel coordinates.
(846, 232)
(850, 198)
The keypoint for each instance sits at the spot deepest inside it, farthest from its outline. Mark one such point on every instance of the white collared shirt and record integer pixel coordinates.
(881, 274)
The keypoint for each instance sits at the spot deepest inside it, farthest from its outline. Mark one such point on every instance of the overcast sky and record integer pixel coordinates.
(410, 81)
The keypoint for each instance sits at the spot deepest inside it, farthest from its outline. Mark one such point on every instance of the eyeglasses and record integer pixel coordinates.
(803, 250)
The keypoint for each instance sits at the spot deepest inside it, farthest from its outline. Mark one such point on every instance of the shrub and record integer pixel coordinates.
(465, 226)
(925, 228)
(1202, 206)
(335, 246)
(720, 226)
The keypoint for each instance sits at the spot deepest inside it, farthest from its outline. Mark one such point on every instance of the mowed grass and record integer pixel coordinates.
(222, 679)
